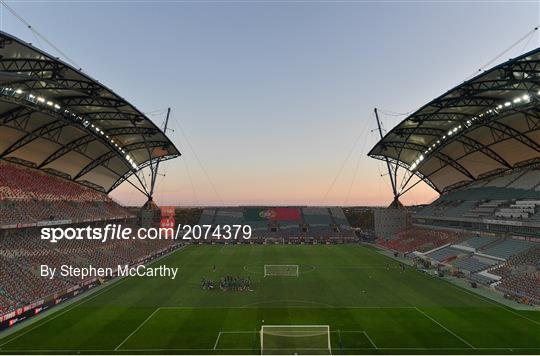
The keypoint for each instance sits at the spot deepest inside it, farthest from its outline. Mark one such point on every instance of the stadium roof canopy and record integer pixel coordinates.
(488, 125)
(58, 119)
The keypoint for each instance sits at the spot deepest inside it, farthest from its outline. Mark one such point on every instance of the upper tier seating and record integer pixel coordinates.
(207, 217)
(339, 216)
(296, 224)
(19, 182)
(508, 248)
(483, 198)
(231, 216)
(29, 196)
(528, 180)
(502, 181)
(317, 216)
(478, 242)
(484, 209)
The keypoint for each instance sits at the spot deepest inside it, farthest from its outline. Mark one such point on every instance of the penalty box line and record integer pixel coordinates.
(358, 332)
(445, 328)
(255, 332)
(230, 332)
(137, 329)
(218, 338)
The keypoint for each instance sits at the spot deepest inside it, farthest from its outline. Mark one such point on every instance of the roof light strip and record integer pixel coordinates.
(50, 104)
(520, 100)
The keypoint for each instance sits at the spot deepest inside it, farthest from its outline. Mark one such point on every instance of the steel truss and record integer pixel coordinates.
(97, 112)
(461, 106)
(20, 119)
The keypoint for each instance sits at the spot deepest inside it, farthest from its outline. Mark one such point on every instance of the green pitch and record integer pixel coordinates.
(367, 307)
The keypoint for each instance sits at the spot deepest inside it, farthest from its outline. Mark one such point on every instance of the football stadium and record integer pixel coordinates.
(460, 275)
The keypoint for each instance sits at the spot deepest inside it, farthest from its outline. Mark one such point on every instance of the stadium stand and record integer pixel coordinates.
(481, 258)
(230, 216)
(530, 257)
(521, 274)
(421, 239)
(339, 216)
(478, 242)
(207, 217)
(317, 216)
(22, 252)
(445, 254)
(482, 279)
(341, 223)
(484, 162)
(508, 203)
(474, 264)
(67, 147)
(29, 196)
(528, 181)
(523, 285)
(508, 248)
(285, 224)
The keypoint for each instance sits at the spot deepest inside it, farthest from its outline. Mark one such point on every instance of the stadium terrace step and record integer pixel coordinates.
(482, 279)
(24, 251)
(508, 248)
(474, 264)
(31, 197)
(282, 224)
(479, 242)
(445, 254)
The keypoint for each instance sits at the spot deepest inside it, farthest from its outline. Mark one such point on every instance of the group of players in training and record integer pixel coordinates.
(238, 284)
(228, 283)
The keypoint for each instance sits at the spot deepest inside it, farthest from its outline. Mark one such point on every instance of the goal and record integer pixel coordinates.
(295, 339)
(281, 270)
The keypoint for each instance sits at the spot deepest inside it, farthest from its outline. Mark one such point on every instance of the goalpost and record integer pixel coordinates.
(281, 270)
(298, 339)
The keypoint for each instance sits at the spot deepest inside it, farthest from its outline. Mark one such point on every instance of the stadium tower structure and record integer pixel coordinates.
(483, 133)
(57, 119)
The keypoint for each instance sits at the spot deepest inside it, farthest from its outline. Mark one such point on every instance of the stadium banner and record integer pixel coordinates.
(11, 318)
(502, 222)
(54, 222)
(167, 223)
(272, 214)
(167, 211)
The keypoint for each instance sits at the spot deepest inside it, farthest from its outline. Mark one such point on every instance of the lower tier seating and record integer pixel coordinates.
(22, 252)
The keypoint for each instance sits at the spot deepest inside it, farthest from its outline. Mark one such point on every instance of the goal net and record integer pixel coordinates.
(281, 270)
(295, 339)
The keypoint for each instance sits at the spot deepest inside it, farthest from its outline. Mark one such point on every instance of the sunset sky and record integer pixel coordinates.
(272, 101)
